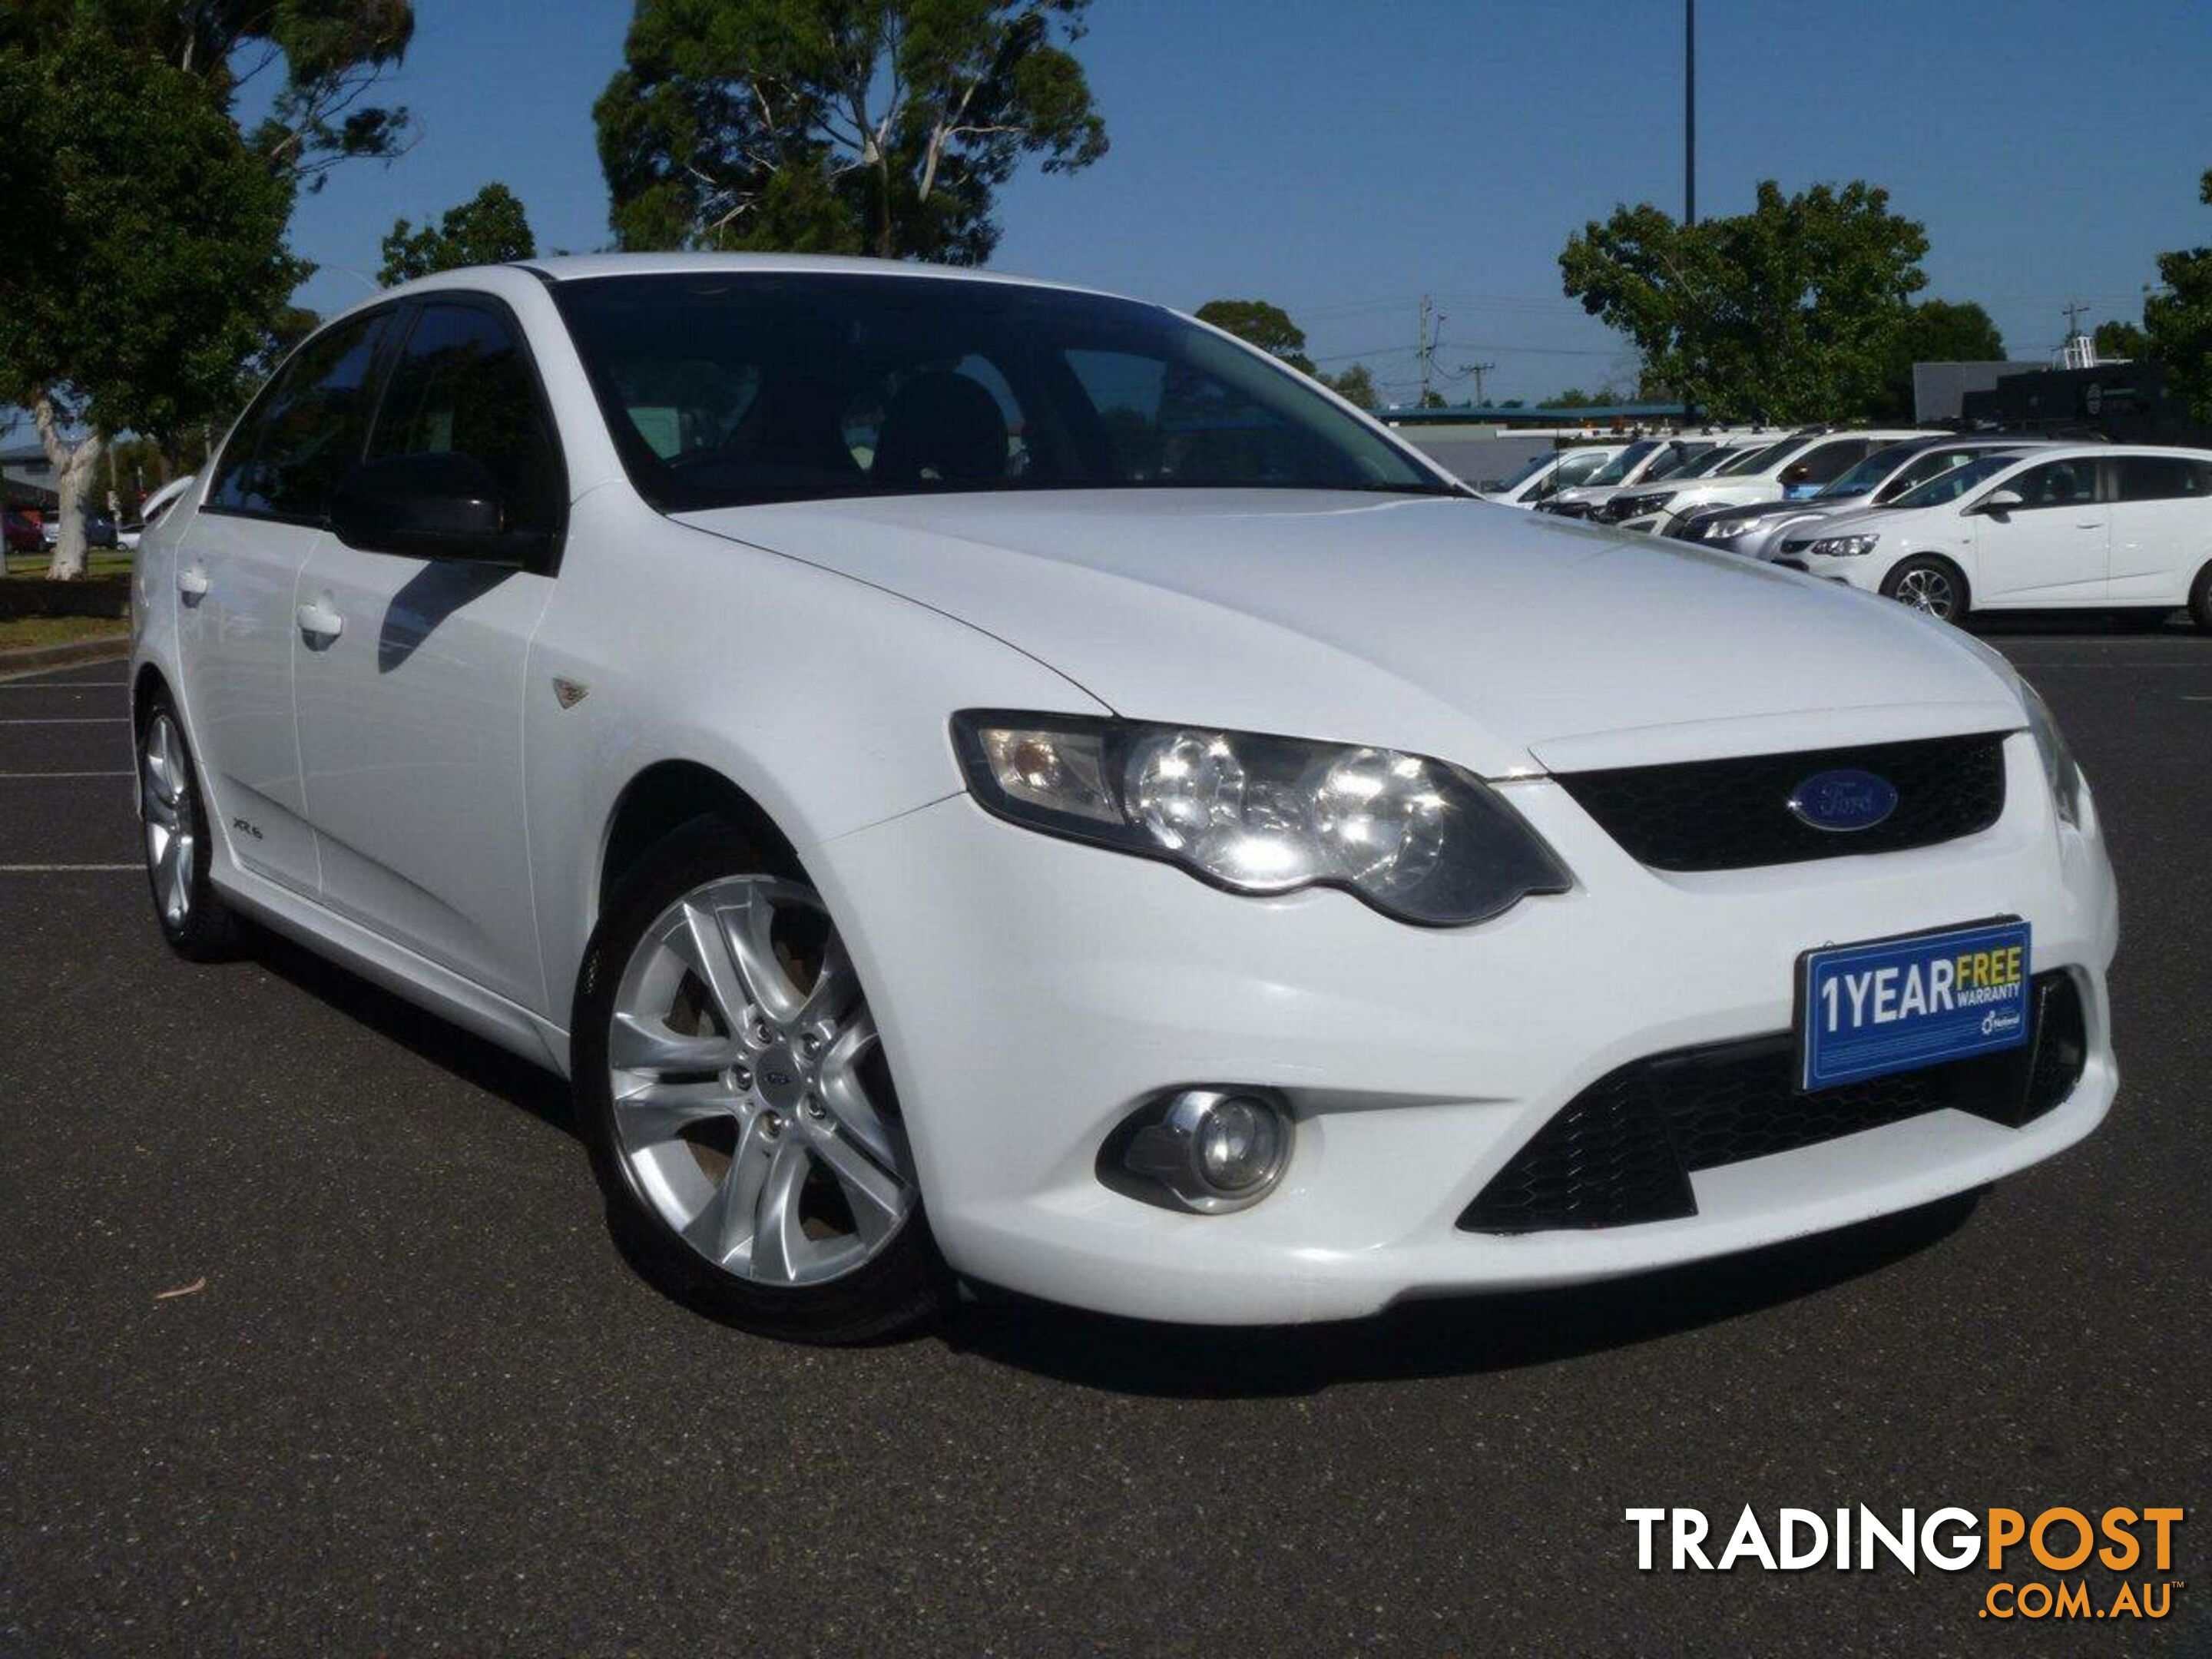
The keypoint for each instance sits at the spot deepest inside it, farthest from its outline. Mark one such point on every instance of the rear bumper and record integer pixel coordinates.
(1031, 993)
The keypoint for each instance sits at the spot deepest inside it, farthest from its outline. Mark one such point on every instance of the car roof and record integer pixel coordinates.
(584, 267)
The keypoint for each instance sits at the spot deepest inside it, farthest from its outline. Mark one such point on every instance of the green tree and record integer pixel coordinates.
(1788, 311)
(1935, 332)
(157, 259)
(489, 228)
(1356, 386)
(332, 52)
(840, 126)
(1263, 324)
(2116, 337)
(2177, 323)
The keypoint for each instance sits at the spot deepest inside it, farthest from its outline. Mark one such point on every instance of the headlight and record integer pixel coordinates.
(1842, 547)
(1638, 506)
(1417, 839)
(1728, 529)
(2060, 769)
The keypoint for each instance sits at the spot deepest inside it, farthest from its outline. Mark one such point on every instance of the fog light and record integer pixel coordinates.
(1212, 1149)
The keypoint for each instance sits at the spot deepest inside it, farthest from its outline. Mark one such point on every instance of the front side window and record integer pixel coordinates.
(2056, 484)
(1950, 486)
(462, 385)
(727, 389)
(2161, 477)
(305, 431)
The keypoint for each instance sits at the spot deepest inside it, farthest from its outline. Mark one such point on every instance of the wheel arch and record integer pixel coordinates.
(662, 798)
(145, 685)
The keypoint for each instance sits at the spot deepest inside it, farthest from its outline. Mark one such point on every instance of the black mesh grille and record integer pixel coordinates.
(1623, 1150)
(1733, 814)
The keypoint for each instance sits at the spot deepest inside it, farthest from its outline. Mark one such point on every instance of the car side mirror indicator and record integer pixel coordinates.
(426, 506)
(2000, 501)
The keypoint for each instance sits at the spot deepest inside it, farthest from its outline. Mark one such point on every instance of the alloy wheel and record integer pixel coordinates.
(165, 804)
(750, 1103)
(1929, 591)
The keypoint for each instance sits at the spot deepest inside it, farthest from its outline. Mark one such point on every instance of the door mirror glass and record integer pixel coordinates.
(2000, 501)
(443, 506)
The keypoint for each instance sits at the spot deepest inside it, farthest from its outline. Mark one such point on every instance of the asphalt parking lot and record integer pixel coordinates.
(418, 1404)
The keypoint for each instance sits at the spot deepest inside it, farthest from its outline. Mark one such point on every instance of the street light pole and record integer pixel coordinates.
(1690, 111)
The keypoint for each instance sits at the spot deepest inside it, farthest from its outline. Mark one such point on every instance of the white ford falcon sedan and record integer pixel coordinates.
(974, 780)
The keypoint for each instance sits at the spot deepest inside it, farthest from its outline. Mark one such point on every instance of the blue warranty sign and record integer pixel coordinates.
(1898, 1004)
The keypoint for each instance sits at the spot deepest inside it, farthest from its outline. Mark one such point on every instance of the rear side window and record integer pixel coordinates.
(2056, 484)
(462, 385)
(2162, 477)
(305, 430)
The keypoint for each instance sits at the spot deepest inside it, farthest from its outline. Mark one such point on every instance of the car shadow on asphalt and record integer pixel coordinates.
(1459, 1336)
(471, 1058)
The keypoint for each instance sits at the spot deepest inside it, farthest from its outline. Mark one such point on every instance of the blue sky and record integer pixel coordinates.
(1344, 160)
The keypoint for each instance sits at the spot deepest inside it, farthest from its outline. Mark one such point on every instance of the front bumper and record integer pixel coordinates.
(1031, 993)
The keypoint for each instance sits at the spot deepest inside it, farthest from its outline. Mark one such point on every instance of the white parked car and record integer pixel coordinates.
(1790, 467)
(1606, 504)
(2092, 526)
(1647, 457)
(1887, 475)
(971, 778)
(1543, 475)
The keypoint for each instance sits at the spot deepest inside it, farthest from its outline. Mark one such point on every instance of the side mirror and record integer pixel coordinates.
(427, 506)
(2000, 501)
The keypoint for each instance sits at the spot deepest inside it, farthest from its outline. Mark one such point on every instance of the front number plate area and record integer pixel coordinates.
(1897, 1005)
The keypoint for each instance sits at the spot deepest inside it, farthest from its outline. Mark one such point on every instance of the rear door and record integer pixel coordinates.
(410, 696)
(2162, 512)
(237, 571)
(2053, 549)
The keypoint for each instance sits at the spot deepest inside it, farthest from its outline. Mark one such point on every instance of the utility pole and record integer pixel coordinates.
(1690, 111)
(1479, 370)
(1427, 329)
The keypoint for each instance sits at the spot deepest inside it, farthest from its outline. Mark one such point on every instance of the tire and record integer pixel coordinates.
(1934, 586)
(173, 814)
(737, 1106)
(2200, 600)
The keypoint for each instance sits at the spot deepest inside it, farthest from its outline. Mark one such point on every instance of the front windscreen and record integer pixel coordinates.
(1867, 473)
(1956, 483)
(1617, 469)
(728, 388)
(1755, 460)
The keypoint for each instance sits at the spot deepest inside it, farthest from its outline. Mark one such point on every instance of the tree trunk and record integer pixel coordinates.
(73, 467)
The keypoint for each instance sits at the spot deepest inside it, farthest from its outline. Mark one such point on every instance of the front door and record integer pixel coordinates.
(2052, 548)
(237, 574)
(410, 696)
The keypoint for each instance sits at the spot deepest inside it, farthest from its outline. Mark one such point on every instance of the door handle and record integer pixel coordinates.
(193, 582)
(2088, 524)
(319, 620)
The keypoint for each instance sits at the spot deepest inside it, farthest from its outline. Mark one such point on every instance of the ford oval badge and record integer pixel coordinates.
(1845, 799)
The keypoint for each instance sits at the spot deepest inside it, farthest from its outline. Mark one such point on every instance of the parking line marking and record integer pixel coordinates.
(75, 719)
(63, 685)
(59, 869)
(65, 774)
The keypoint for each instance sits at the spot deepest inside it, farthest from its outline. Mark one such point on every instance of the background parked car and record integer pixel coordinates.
(1886, 476)
(22, 535)
(1792, 467)
(1647, 457)
(99, 530)
(1609, 504)
(1544, 476)
(2066, 528)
